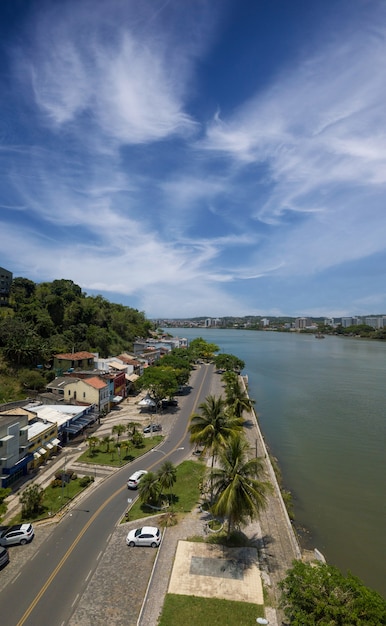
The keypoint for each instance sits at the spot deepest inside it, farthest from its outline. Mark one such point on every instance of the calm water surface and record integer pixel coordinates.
(322, 410)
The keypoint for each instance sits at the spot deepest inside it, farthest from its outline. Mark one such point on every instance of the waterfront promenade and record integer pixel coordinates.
(272, 534)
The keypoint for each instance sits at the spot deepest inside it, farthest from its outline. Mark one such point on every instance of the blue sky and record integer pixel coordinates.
(193, 157)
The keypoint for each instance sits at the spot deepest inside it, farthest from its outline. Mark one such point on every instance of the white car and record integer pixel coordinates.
(134, 479)
(18, 534)
(145, 536)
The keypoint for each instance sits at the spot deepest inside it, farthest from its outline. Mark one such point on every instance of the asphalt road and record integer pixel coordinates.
(48, 587)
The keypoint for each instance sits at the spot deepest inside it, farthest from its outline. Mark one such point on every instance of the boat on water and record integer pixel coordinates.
(319, 336)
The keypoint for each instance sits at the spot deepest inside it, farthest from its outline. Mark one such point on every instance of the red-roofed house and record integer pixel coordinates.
(91, 390)
(74, 360)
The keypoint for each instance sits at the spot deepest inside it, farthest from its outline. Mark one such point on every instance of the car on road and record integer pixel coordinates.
(166, 402)
(135, 478)
(18, 534)
(145, 536)
(4, 557)
(152, 428)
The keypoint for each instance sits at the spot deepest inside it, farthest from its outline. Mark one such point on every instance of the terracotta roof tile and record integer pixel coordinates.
(75, 356)
(95, 382)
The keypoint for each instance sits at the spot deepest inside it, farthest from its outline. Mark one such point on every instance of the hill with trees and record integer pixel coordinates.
(57, 317)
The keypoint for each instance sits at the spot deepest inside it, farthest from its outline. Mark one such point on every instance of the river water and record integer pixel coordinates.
(321, 405)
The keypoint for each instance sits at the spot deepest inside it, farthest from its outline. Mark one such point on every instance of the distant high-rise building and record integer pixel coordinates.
(5, 285)
(303, 322)
(376, 321)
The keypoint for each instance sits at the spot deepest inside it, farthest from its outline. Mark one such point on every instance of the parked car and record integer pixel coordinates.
(4, 557)
(135, 478)
(152, 428)
(18, 534)
(165, 403)
(145, 536)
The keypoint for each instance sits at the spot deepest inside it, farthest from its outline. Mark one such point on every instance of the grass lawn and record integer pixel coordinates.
(98, 456)
(196, 611)
(184, 495)
(54, 499)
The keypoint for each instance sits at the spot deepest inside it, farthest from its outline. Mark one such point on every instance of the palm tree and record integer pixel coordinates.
(238, 493)
(149, 488)
(131, 428)
(237, 399)
(229, 377)
(126, 445)
(119, 429)
(92, 443)
(214, 427)
(106, 440)
(167, 476)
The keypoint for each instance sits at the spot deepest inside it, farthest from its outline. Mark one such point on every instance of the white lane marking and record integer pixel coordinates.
(75, 600)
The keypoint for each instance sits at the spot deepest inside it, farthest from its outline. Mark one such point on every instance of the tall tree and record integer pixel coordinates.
(92, 443)
(106, 441)
(118, 429)
(167, 476)
(213, 427)
(201, 349)
(31, 501)
(237, 399)
(228, 362)
(239, 495)
(161, 382)
(149, 488)
(131, 428)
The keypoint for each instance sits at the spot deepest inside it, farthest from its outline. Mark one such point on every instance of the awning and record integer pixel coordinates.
(74, 428)
(42, 451)
(37, 456)
(49, 445)
(81, 422)
(147, 402)
(55, 442)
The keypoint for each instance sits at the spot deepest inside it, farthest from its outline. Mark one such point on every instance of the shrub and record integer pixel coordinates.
(86, 480)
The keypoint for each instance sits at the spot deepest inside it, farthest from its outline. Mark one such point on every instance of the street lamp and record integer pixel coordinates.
(66, 453)
(64, 472)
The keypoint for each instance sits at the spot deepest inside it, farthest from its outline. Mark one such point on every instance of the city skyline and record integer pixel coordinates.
(221, 156)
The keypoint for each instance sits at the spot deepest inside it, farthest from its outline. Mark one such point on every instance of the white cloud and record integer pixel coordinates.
(113, 189)
(319, 131)
(109, 72)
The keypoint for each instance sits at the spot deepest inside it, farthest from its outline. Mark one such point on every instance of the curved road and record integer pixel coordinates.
(50, 584)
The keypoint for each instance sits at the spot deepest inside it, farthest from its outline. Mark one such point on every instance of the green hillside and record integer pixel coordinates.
(57, 317)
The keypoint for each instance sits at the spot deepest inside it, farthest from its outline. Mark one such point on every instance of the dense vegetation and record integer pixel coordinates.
(50, 318)
(173, 370)
(321, 594)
